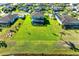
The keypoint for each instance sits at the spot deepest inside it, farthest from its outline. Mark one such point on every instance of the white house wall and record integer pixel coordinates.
(58, 19)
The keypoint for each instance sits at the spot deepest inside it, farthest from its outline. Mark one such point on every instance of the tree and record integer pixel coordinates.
(3, 44)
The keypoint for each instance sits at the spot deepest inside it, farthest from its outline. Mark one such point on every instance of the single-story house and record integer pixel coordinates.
(37, 18)
(8, 20)
(57, 9)
(29, 4)
(24, 9)
(67, 21)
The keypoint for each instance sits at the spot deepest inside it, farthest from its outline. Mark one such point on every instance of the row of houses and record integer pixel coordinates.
(38, 18)
(67, 22)
(8, 20)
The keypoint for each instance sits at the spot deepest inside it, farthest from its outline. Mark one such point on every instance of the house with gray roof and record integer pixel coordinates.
(57, 9)
(8, 20)
(37, 18)
(67, 21)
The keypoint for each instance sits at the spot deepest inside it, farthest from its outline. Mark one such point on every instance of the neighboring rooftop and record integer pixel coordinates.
(66, 19)
(37, 14)
(7, 18)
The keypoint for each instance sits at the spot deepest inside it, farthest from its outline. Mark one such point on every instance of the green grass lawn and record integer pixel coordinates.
(29, 32)
(37, 35)
(37, 39)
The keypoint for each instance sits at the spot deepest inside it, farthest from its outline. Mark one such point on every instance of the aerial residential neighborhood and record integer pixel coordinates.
(39, 29)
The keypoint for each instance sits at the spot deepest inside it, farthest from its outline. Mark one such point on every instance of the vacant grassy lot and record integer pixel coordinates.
(37, 39)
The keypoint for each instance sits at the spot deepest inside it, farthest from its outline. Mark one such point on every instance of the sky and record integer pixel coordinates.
(39, 1)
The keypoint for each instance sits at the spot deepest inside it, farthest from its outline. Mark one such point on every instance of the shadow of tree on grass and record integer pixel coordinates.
(72, 46)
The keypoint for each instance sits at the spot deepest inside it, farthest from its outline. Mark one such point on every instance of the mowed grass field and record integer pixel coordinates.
(37, 39)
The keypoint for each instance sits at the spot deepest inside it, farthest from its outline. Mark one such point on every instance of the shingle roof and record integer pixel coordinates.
(37, 14)
(66, 19)
(7, 18)
(57, 8)
(29, 4)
